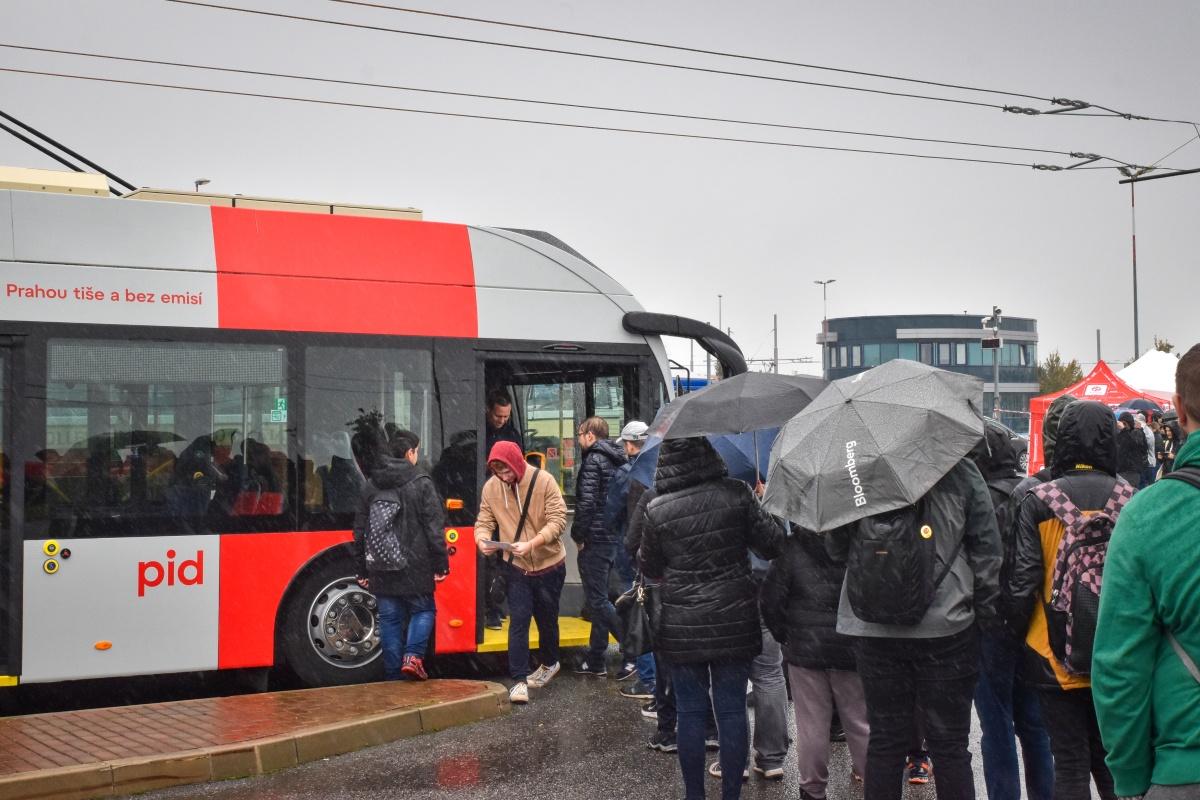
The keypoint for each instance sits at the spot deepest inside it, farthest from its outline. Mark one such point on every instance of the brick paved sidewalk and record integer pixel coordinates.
(104, 752)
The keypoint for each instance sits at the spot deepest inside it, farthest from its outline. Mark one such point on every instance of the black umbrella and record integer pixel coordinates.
(752, 401)
(872, 443)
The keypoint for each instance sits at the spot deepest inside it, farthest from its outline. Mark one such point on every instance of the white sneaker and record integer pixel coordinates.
(769, 773)
(542, 675)
(714, 769)
(518, 694)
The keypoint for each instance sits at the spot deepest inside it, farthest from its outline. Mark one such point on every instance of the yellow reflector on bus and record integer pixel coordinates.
(454, 504)
(9, 680)
(456, 623)
(103, 645)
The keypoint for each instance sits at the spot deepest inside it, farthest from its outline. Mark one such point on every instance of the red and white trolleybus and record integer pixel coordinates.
(180, 379)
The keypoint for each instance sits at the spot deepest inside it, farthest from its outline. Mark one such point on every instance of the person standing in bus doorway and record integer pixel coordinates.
(500, 427)
(597, 544)
(500, 424)
(404, 594)
(524, 507)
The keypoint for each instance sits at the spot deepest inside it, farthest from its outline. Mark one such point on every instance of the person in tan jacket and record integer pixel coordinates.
(535, 567)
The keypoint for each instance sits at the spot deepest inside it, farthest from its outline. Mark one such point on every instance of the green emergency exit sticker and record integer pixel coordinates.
(281, 404)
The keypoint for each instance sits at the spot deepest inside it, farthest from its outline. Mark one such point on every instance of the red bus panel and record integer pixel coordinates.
(256, 569)
(455, 596)
(287, 271)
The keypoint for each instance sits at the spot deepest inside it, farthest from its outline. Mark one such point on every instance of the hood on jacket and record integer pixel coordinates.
(609, 450)
(683, 463)
(510, 455)
(1087, 435)
(995, 455)
(1050, 425)
(393, 473)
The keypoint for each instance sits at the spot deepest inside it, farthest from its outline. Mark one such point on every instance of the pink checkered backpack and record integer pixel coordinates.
(1078, 573)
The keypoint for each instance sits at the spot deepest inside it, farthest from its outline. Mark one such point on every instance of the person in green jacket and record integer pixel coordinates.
(1147, 702)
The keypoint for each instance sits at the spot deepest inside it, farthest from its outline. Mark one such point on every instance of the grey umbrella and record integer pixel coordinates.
(871, 443)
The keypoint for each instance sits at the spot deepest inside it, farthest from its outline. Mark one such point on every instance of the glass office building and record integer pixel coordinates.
(949, 341)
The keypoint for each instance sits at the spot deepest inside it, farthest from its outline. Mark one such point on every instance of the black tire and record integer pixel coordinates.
(299, 653)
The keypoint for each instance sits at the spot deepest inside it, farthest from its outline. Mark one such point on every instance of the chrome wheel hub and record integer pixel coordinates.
(343, 624)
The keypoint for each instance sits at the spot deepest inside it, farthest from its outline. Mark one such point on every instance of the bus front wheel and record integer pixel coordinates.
(329, 628)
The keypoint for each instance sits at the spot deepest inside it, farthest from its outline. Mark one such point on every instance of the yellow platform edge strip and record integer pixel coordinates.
(572, 632)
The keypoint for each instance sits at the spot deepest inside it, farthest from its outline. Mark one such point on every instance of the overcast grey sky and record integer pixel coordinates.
(681, 221)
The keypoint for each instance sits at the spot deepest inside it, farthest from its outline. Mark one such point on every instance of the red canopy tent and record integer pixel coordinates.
(1103, 386)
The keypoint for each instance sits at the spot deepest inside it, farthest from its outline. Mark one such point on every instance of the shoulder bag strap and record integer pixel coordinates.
(1122, 491)
(1183, 656)
(524, 509)
(950, 562)
(1060, 505)
(1188, 475)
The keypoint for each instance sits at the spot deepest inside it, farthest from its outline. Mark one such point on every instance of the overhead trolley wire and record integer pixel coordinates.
(545, 123)
(556, 104)
(686, 49)
(579, 54)
(1064, 106)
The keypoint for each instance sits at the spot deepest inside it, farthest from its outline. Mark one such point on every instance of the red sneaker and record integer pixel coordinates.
(414, 666)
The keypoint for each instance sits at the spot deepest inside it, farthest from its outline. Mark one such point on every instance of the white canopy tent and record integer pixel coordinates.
(1153, 372)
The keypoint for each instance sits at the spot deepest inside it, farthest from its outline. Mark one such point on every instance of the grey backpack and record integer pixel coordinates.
(382, 543)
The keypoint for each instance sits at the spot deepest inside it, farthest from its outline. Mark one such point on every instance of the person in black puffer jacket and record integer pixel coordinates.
(597, 544)
(799, 605)
(697, 532)
(406, 607)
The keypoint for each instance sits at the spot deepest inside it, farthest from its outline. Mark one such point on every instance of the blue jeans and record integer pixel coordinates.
(1149, 474)
(533, 597)
(728, 682)
(1008, 708)
(624, 565)
(595, 563)
(405, 624)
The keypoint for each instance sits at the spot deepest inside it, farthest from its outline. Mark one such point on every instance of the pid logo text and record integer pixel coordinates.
(189, 572)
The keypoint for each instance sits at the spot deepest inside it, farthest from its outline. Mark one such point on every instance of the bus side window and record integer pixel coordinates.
(162, 437)
(355, 398)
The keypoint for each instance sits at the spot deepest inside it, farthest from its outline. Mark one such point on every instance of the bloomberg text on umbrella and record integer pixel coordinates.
(860, 499)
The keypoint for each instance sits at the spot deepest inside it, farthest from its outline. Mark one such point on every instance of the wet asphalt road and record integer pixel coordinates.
(577, 738)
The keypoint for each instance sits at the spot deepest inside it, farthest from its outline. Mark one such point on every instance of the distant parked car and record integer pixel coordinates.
(1020, 443)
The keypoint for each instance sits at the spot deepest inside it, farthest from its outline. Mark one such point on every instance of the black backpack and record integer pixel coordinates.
(383, 544)
(891, 573)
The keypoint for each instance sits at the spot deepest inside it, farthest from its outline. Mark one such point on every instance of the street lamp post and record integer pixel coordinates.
(825, 303)
(825, 319)
(201, 182)
(1132, 172)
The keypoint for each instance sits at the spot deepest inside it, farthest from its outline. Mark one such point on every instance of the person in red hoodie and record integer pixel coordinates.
(523, 507)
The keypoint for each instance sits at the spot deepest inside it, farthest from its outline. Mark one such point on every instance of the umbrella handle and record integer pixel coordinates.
(757, 471)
